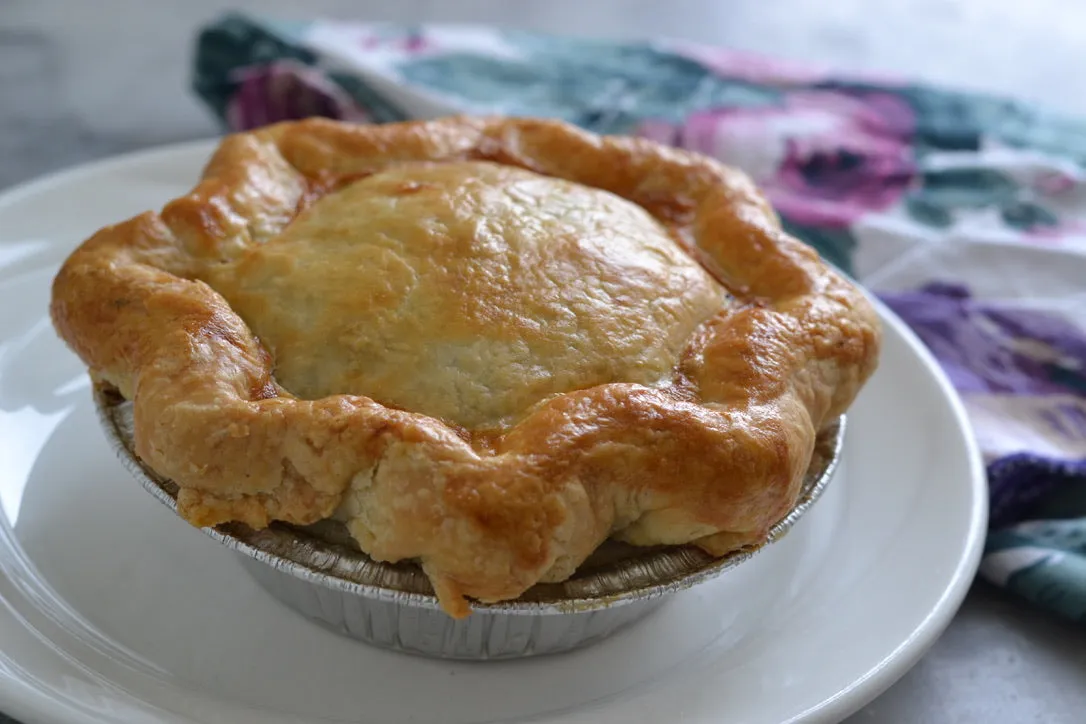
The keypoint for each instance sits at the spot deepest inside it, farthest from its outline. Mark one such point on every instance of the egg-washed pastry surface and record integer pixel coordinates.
(484, 344)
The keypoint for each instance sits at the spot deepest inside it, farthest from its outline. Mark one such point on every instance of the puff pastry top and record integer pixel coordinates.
(485, 344)
(468, 291)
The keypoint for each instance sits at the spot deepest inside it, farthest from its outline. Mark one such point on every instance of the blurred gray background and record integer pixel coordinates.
(83, 79)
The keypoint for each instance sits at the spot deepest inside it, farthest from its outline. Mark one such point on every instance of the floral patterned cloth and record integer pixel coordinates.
(967, 214)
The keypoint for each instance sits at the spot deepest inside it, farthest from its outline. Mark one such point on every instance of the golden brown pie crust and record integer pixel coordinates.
(485, 344)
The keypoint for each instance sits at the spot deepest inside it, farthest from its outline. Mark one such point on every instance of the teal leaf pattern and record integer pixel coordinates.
(940, 194)
(967, 188)
(928, 212)
(1027, 216)
(627, 83)
(1053, 575)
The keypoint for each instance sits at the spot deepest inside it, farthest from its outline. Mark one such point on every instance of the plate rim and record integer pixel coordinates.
(27, 701)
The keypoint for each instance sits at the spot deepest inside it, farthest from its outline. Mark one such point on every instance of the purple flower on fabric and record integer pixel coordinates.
(989, 348)
(825, 158)
(287, 90)
(1022, 374)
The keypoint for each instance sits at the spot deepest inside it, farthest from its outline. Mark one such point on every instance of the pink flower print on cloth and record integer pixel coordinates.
(284, 91)
(825, 158)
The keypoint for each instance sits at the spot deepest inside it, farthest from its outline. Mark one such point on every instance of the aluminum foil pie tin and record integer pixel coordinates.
(319, 572)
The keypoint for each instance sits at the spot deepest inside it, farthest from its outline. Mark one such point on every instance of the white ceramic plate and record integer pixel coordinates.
(114, 610)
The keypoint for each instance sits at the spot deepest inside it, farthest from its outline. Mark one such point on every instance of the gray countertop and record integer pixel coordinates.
(83, 80)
